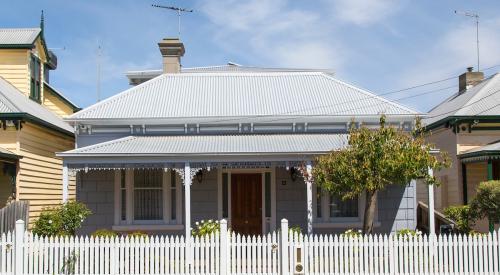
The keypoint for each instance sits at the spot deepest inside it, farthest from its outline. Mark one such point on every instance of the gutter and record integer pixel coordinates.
(458, 119)
(63, 154)
(36, 120)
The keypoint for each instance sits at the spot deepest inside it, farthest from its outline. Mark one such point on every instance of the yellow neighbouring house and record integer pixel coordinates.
(31, 126)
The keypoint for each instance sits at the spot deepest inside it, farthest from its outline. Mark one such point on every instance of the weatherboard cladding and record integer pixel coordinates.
(480, 100)
(18, 36)
(219, 95)
(217, 145)
(12, 101)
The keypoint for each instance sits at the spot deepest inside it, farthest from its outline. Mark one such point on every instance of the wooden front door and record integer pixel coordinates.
(246, 203)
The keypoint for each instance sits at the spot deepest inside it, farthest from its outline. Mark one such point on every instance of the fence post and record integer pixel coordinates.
(18, 250)
(284, 247)
(224, 248)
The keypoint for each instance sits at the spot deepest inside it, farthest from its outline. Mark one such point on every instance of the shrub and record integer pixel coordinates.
(295, 229)
(464, 216)
(105, 233)
(205, 228)
(73, 214)
(49, 223)
(487, 202)
(137, 234)
(62, 220)
(351, 233)
(405, 233)
(475, 233)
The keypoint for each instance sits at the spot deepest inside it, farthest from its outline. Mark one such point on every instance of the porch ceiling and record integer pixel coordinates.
(213, 145)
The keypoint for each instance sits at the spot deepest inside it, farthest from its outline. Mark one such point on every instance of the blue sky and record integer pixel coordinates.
(381, 45)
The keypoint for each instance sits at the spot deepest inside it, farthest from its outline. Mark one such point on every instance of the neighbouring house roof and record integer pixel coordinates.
(17, 37)
(489, 151)
(13, 104)
(137, 77)
(214, 145)
(6, 154)
(62, 97)
(237, 95)
(481, 100)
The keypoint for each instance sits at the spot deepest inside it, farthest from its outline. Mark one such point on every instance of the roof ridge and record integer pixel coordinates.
(249, 73)
(367, 92)
(20, 29)
(479, 94)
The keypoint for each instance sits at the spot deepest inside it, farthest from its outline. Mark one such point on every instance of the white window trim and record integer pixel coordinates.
(167, 223)
(338, 222)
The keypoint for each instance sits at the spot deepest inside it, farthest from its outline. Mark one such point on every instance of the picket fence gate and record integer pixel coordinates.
(229, 253)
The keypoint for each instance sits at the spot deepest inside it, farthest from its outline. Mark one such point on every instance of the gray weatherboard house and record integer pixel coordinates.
(192, 144)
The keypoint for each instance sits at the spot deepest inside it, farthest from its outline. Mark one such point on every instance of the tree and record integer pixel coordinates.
(373, 160)
(487, 202)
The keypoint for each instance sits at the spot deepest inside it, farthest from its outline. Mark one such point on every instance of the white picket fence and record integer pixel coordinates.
(230, 253)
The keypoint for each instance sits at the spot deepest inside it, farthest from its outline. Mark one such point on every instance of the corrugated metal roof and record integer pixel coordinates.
(486, 148)
(202, 95)
(138, 77)
(480, 100)
(215, 145)
(18, 36)
(13, 101)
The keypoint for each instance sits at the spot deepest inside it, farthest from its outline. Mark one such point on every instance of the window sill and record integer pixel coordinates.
(341, 224)
(148, 227)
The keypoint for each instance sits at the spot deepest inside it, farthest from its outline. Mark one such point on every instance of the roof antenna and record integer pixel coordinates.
(178, 10)
(98, 62)
(476, 16)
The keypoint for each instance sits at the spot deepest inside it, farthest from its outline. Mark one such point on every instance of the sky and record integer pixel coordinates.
(380, 45)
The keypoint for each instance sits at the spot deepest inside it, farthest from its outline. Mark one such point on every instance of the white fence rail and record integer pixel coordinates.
(230, 253)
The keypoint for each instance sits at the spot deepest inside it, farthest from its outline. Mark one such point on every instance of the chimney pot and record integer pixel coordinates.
(469, 79)
(172, 49)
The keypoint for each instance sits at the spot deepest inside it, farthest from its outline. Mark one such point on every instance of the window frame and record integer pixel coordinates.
(129, 198)
(35, 78)
(325, 210)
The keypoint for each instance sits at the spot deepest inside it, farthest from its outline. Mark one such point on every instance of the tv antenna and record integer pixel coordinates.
(475, 16)
(178, 10)
(98, 63)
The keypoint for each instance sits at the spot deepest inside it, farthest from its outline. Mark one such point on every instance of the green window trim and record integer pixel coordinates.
(35, 79)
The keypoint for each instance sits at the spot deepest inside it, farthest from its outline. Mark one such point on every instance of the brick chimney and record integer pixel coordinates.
(469, 79)
(172, 49)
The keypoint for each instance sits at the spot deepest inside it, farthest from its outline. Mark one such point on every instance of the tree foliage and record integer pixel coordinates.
(463, 215)
(375, 159)
(487, 201)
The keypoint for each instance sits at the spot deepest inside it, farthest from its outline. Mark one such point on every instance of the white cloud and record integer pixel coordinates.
(454, 52)
(364, 12)
(274, 32)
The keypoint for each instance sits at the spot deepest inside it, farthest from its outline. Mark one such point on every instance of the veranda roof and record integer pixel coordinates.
(490, 151)
(210, 146)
